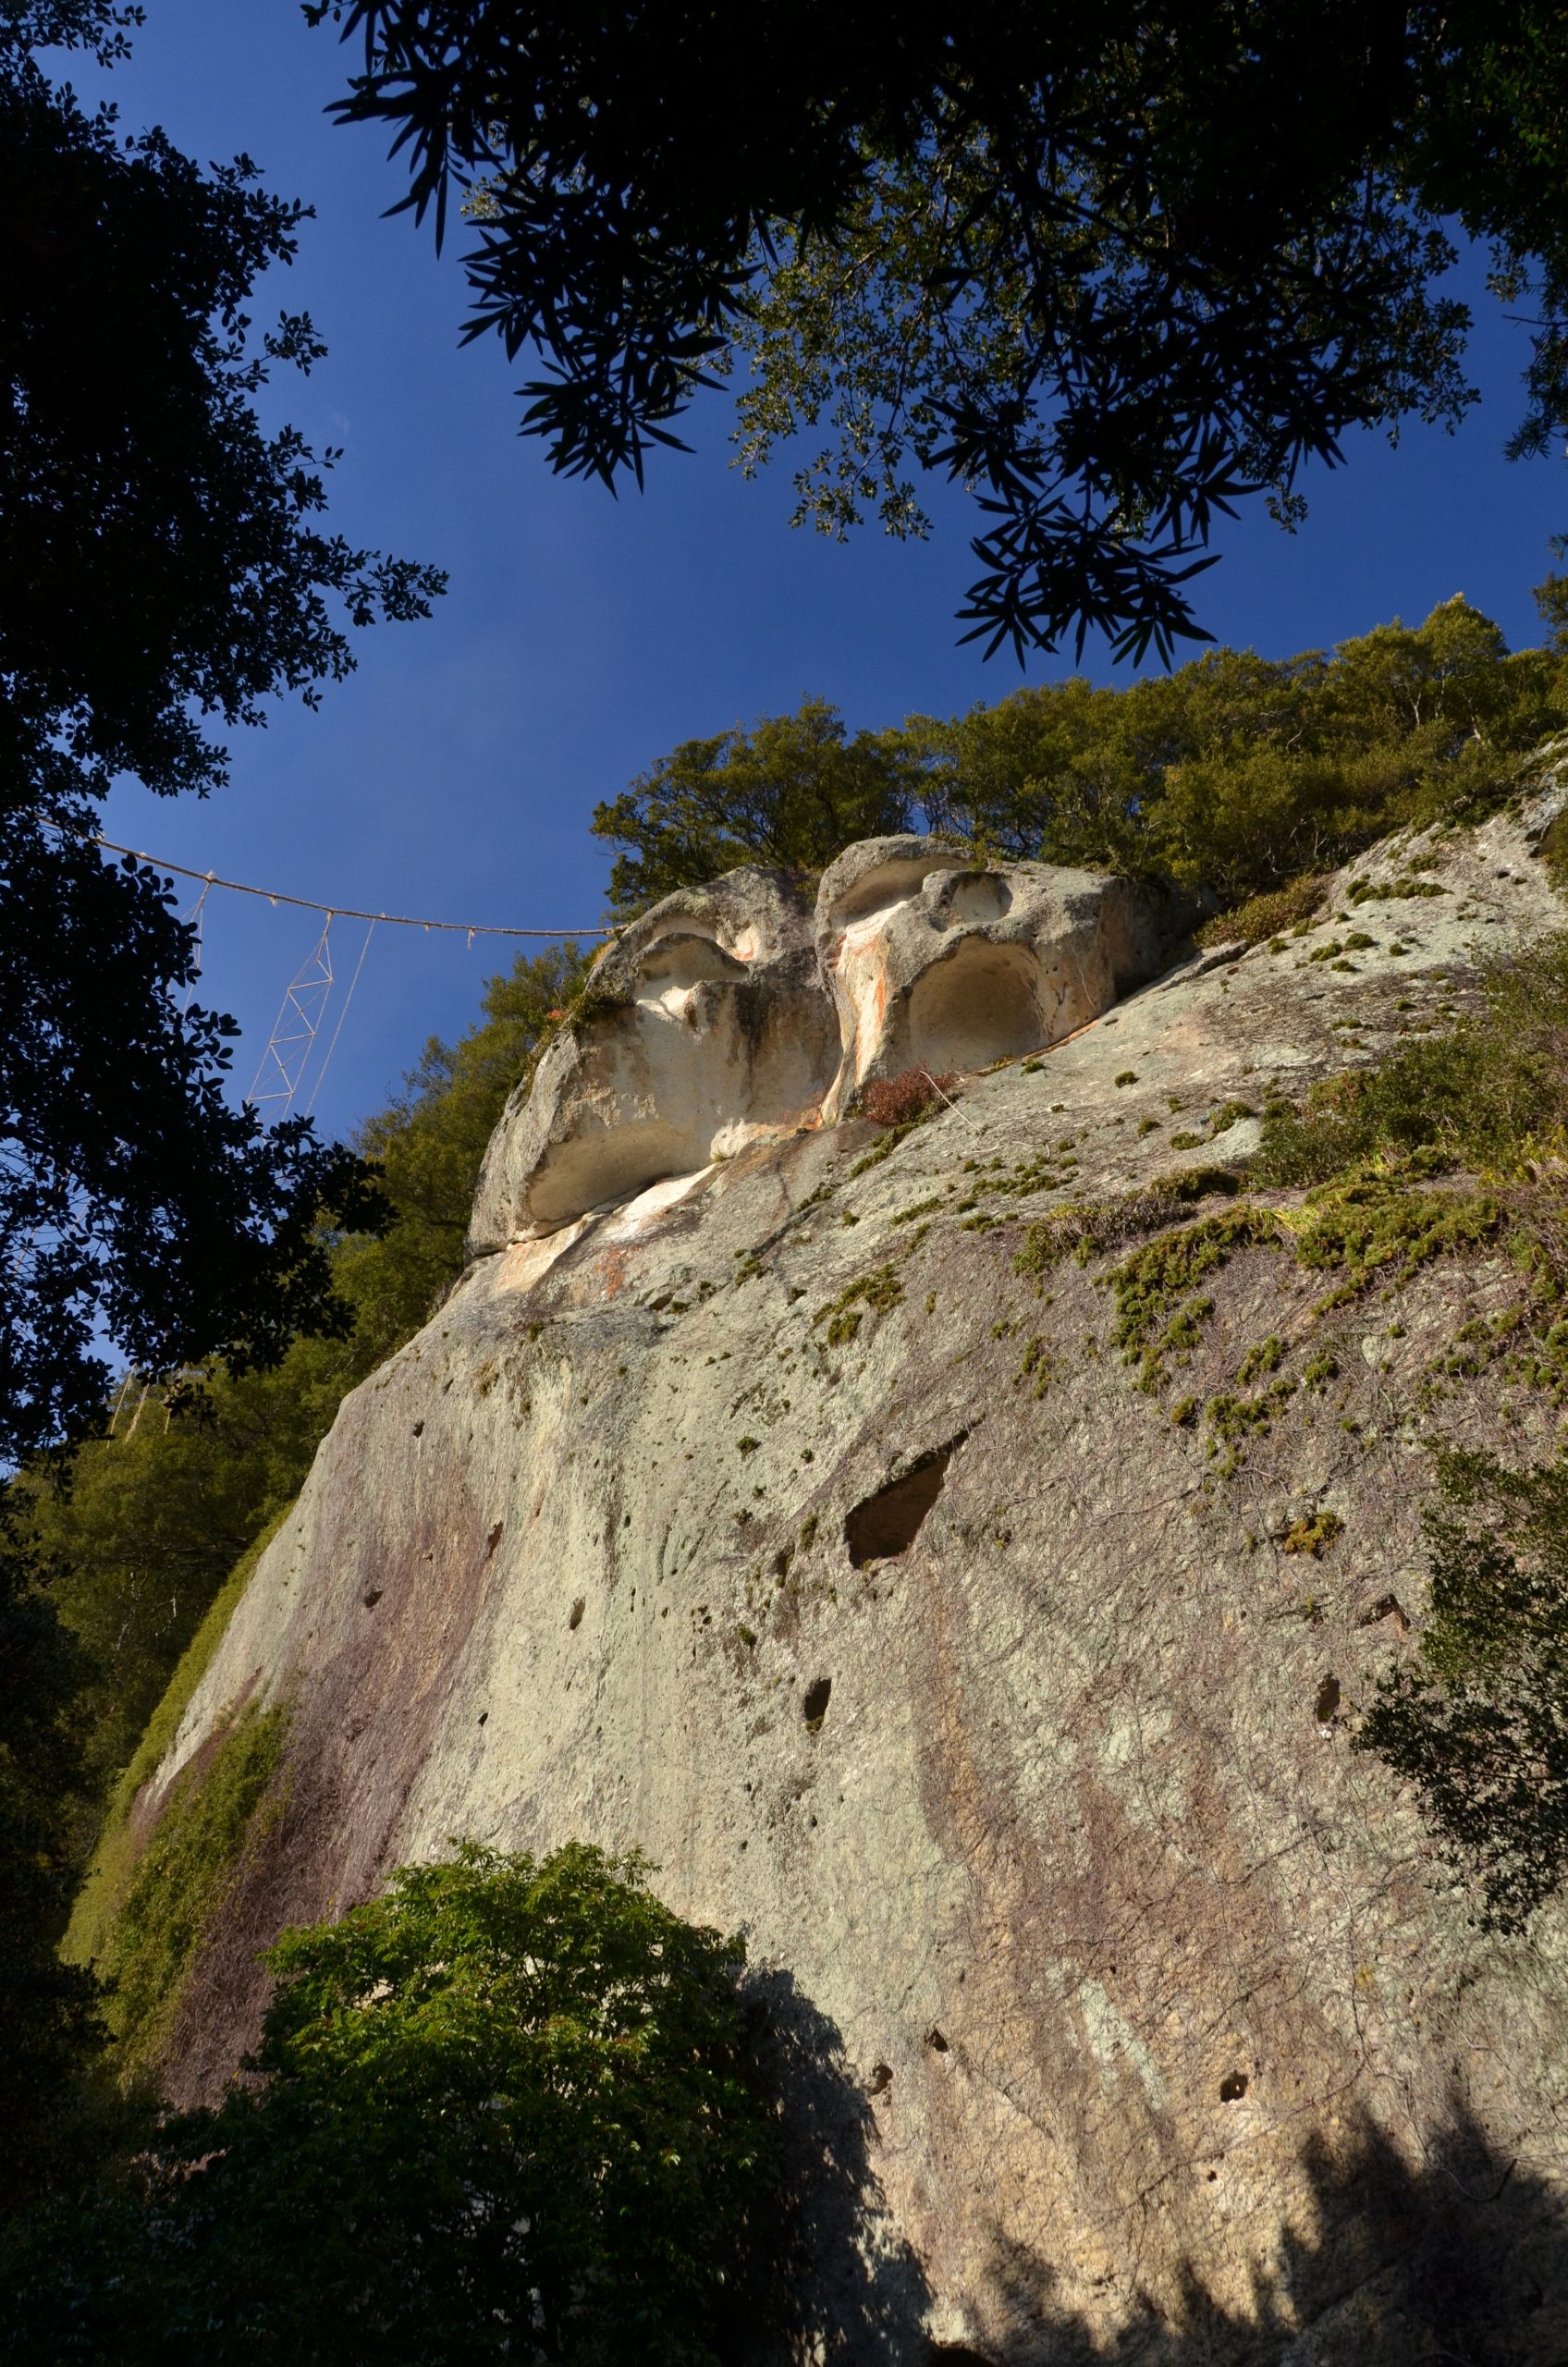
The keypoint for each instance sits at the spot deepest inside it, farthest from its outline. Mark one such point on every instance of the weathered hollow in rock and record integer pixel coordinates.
(705, 1027)
(934, 963)
(887, 1524)
(980, 1004)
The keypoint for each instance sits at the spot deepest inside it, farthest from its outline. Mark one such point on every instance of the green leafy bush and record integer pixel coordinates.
(1246, 778)
(790, 792)
(1492, 1095)
(506, 2111)
(1479, 1724)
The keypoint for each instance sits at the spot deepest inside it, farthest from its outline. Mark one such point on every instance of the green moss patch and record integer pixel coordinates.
(109, 1875)
(1375, 1229)
(184, 1879)
(879, 1292)
(1150, 1286)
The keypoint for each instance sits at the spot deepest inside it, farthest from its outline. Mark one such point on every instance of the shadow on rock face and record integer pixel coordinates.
(1461, 2262)
(835, 2282)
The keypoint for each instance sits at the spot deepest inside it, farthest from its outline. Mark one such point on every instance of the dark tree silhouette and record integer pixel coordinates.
(1116, 267)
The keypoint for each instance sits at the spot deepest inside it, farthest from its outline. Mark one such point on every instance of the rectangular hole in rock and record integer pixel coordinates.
(888, 1522)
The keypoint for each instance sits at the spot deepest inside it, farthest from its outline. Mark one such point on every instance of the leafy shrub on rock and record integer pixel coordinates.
(504, 2111)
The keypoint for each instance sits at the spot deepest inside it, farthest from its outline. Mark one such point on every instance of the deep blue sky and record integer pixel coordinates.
(454, 775)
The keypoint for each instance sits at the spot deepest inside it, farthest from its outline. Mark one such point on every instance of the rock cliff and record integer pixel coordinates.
(843, 1515)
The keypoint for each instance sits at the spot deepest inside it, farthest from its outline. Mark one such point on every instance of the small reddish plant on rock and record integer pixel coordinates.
(901, 1100)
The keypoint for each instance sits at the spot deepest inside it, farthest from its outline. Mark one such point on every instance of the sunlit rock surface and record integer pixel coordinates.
(705, 1028)
(936, 964)
(776, 1522)
(711, 1023)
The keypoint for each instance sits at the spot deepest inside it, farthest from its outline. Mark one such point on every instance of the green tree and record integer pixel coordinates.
(1234, 772)
(50, 2024)
(1116, 268)
(159, 1512)
(791, 791)
(505, 2111)
(161, 566)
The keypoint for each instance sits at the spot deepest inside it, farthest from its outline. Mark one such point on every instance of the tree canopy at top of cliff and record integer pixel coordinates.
(1114, 267)
(1233, 774)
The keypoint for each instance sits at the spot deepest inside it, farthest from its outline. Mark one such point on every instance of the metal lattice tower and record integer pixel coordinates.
(281, 1069)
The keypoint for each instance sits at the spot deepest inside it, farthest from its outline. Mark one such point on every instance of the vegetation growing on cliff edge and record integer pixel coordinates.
(90, 1936)
(507, 2109)
(1490, 1095)
(158, 1515)
(1234, 775)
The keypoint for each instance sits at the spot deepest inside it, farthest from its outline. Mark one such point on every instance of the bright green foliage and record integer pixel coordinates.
(793, 792)
(158, 1515)
(183, 1880)
(504, 2112)
(1237, 773)
(90, 1934)
(1479, 1725)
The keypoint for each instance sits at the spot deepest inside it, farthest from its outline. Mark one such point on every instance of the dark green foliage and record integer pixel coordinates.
(158, 1515)
(791, 792)
(161, 564)
(1243, 777)
(504, 2112)
(1479, 1724)
(50, 2027)
(1114, 269)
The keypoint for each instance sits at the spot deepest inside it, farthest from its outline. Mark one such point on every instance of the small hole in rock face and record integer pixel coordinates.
(1233, 2087)
(934, 2041)
(578, 1607)
(493, 1539)
(483, 1716)
(881, 2080)
(419, 1429)
(814, 1708)
(371, 1598)
(1212, 2175)
(888, 1522)
(1327, 1700)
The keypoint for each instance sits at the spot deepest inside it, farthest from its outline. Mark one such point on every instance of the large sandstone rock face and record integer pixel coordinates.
(773, 1521)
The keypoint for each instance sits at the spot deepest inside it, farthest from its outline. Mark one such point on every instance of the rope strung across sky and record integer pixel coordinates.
(471, 930)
